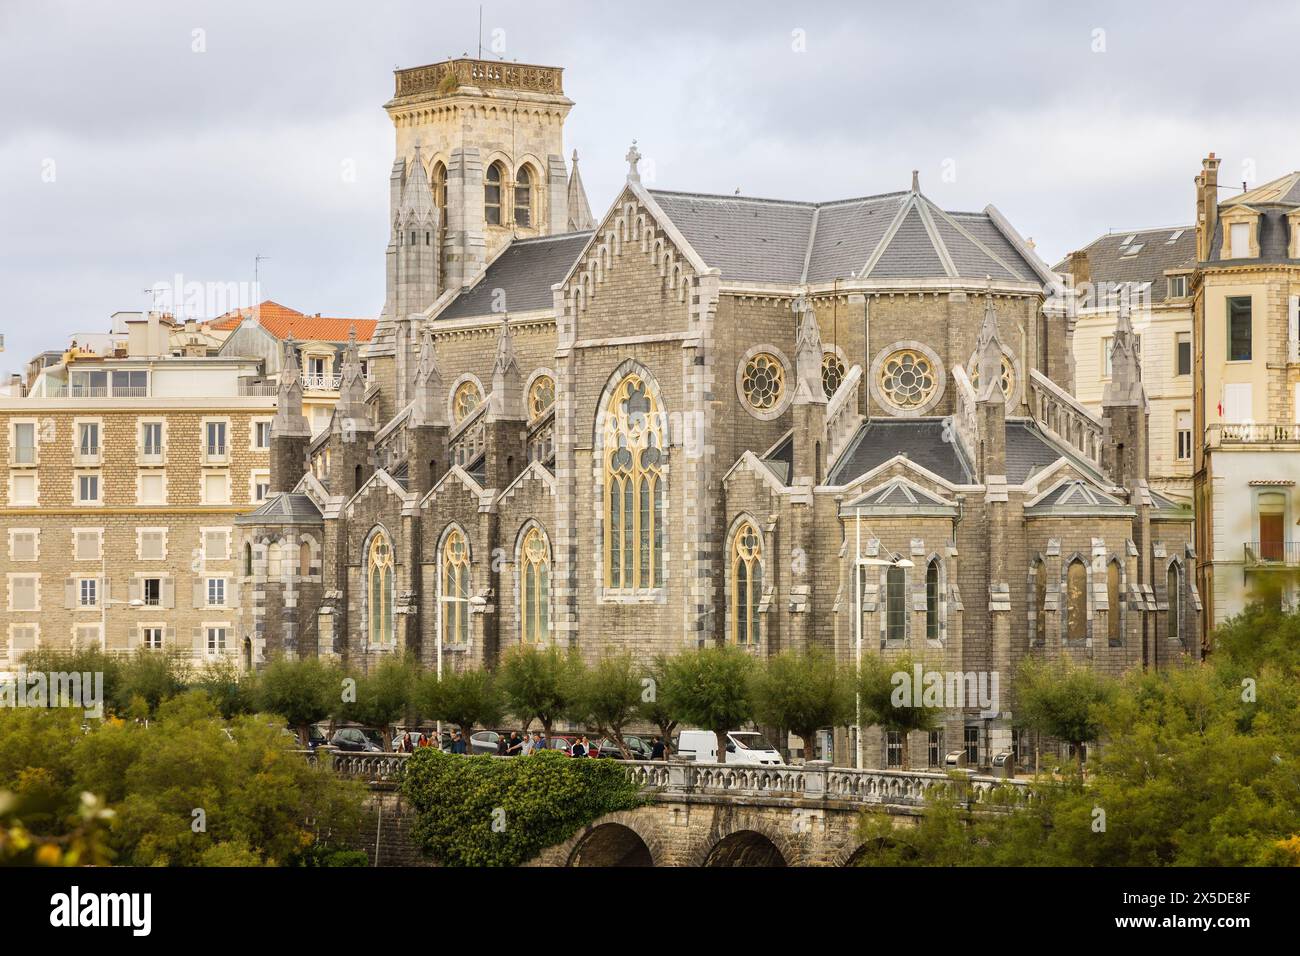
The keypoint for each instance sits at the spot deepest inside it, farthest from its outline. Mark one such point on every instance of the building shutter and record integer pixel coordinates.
(1293, 329)
(135, 592)
(105, 590)
(198, 595)
(133, 641)
(70, 593)
(168, 593)
(197, 643)
(232, 592)
(169, 638)
(1237, 402)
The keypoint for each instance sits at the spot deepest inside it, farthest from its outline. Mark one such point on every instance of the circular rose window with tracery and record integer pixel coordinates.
(1008, 381)
(908, 379)
(763, 381)
(466, 399)
(832, 373)
(541, 396)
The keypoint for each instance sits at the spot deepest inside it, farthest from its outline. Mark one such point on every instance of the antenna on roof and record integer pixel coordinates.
(257, 287)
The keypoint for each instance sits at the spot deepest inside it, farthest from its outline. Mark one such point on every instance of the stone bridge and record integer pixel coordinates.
(711, 814)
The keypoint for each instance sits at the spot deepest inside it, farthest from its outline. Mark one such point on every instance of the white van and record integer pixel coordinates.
(745, 747)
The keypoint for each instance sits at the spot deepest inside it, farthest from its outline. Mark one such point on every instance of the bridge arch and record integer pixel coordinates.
(611, 844)
(745, 848)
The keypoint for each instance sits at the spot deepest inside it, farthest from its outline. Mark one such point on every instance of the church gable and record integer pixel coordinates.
(1075, 496)
(899, 495)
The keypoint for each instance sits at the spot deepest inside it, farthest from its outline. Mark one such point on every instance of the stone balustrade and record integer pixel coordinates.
(842, 415)
(816, 780)
(1061, 414)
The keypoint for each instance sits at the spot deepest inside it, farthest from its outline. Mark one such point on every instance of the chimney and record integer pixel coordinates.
(1079, 269)
(1207, 204)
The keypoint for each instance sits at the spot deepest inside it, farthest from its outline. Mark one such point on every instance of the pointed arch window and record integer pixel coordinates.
(535, 588)
(524, 197)
(439, 183)
(1076, 602)
(932, 600)
(1040, 603)
(635, 456)
(1174, 596)
(492, 186)
(1114, 635)
(895, 604)
(746, 584)
(455, 588)
(382, 589)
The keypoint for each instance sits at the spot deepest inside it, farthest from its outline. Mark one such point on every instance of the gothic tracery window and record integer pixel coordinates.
(746, 584)
(1113, 598)
(908, 379)
(455, 588)
(535, 588)
(832, 373)
(439, 183)
(1008, 381)
(1174, 597)
(634, 458)
(763, 381)
(1040, 603)
(932, 600)
(381, 590)
(541, 396)
(895, 604)
(467, 398)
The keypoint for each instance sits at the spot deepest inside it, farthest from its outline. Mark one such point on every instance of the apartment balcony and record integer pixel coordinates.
(1252, 433)
(258, 389)
(1273, 554)
(322, 383)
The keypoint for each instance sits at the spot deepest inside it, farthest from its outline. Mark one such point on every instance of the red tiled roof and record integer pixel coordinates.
(282, 321)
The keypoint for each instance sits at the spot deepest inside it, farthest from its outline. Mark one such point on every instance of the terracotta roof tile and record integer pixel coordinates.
(282, 321)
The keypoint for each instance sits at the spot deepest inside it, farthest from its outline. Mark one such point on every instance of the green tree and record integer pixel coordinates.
(232, 691)
(303, 692)
(146, 679)
(887, 703)
(608, 697)
(802, 691)
(709, 688)
(383, 696)
(1062, 700)
(540, 683)
(652, 708)
(465, 699)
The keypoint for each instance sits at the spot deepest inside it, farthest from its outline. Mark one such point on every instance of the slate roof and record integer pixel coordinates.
(1140, 257)
(892, 236)
(898, 497)
(781, 458)
(1273, 201)
(1078, 496)
(1029, 451)
(283, 508)
(921, 440)
(526, 270)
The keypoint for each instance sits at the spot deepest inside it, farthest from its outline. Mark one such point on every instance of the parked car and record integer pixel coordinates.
(355, 740)
(639, 747)
(743, 747)
(483, 742)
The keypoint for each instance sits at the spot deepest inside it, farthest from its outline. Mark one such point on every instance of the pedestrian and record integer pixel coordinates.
(516, 745)
(538, 743)
(657, 749)
(457, 743)
(406, 742)
(578, 749)
(503, 745)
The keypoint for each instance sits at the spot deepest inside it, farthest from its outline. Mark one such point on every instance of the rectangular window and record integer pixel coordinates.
(88, 439)
(130, 383)
(216, 640)
(22, 638)
(1106, 343)
(216, 592)
(1177, 287)
(895, 605)
(153, 545)
(24, 452)
(216, 489)
(86, 545)
(1183, 349)
(151, 591)
(88, 489)
(23, 593)
(151, 638)
(23, 545)
(935, 752)
(216, 439)
(1240, 236)
(972, 746)
(89, 384)
(1238, 402)
(1183, 434)
(893, 748)
(152, 490)
(88, 635)
(88, 592)
(261, 488)
(151, 439)
(216, 544)
(22, 490)
(1239, 329)
(261, 434)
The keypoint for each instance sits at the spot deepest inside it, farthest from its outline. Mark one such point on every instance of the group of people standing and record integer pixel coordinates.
(519, 744)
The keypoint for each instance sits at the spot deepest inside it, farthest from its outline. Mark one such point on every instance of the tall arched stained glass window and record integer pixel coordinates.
(634, 459)
(455, 588)
(381, 590)
(535, 588)
(746, 583)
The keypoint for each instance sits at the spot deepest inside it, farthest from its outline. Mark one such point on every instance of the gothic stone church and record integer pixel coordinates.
(776, 423)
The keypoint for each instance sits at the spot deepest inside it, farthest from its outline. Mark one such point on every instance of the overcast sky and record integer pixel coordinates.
(141, 140)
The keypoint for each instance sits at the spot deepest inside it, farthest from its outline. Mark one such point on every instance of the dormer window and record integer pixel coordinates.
(1240, 233)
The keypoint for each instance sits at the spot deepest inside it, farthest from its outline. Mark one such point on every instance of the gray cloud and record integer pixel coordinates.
(173, 161)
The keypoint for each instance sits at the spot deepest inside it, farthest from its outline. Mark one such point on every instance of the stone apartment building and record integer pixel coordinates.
(1247, 341)
(121, 480)
(1151, 271)
(782, 424)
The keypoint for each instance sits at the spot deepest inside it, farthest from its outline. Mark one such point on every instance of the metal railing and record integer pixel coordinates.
(1285, 554)
(329, 383)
